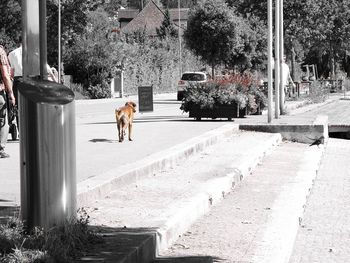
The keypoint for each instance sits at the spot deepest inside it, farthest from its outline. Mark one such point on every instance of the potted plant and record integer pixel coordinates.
(231, 97)
(259, 98)
(213, 100)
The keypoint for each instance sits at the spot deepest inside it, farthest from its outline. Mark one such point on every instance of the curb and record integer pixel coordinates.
(212, 192)
(303, 133)
(97, 187)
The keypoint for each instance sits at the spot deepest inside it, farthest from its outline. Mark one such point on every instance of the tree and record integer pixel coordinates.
(10, 22)
(90, 61)
(214, 32)
(167, 28)
(328, 31)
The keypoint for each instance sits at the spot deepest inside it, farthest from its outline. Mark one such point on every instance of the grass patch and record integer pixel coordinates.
(58, 244)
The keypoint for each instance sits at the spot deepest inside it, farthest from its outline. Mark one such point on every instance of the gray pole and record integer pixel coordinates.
(30, 41)
(281, 53)
(59, 41)
(270, 59)
(277, 64)
(180, 51)
(43, 39)
(47, 125)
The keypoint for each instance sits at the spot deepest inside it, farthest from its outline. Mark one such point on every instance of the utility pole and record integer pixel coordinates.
(281, 54)
(59, 41)
(277, 58)
(180, 51)
(270, 59)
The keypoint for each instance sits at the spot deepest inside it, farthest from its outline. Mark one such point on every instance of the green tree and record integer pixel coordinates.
(89, 60)
(167, 28)
(10, 22)
(328, 31)
(214, 32)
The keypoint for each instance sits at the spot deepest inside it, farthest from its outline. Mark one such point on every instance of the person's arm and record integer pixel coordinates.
(8, 83)
(290, 80)
(50, 74)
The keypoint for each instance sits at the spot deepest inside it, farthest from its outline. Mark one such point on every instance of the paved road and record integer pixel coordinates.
(98, 149)
(96, 137)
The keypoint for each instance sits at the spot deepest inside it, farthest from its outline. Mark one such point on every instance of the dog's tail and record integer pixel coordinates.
(120, 115)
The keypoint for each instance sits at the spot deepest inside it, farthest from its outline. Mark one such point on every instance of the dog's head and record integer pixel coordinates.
(132, 105)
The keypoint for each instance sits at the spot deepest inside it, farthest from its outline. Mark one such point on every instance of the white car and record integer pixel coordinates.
(189, 77)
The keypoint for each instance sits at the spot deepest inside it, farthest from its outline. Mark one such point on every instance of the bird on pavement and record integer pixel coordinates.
(317, 141)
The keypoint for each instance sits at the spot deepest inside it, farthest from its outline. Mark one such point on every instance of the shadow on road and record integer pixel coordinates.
(138, 245)
(118, 242)
(103, 140)
(7, 211)
(162, 119)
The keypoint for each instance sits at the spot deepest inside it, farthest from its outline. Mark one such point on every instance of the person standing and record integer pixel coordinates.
(286, 78)
(5, 90)
(15, 58)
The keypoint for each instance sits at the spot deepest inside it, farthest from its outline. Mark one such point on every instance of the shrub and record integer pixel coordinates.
(318, 92)
(58, 244)
(234, 89)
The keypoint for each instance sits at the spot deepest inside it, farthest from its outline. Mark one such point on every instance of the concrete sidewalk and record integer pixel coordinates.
(160, 150)
(324, 231)
(258, 221)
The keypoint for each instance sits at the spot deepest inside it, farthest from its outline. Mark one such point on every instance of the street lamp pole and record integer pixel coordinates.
(180, 51)
(277, 56)
(270, 59)
(59, 41)
(281, 54)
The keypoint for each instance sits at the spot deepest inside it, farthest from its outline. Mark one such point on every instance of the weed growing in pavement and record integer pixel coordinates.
(58, 244)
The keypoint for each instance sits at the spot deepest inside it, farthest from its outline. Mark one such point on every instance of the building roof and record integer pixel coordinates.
(127, 14)
(150, 18)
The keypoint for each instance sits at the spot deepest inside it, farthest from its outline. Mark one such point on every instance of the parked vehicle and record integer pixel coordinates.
(187, 78)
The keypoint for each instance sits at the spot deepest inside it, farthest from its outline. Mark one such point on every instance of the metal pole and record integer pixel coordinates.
(281, 54)
(24, 39)
(270, 60)
(31, 39)
(277, 55)
(180, 52)
(43, 39)
(47, 143)
(59, 41)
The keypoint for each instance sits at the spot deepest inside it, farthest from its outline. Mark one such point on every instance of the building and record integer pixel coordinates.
(150, 18)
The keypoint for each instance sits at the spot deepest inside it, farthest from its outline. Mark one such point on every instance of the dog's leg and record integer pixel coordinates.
(120, 132)
(130, 130)
(124, 125)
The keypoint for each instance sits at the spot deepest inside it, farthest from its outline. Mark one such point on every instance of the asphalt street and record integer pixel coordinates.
(97, 146)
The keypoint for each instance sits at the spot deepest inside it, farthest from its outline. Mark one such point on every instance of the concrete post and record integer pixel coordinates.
(281, 54)
(277, 56)
(270, 59)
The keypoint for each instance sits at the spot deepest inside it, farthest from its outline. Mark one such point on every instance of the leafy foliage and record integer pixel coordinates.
(318, 92)
(216, 34)
(167, 29)
(10, 22)
(153, 62)
(239, 89)
(90, 61)
(58, 244)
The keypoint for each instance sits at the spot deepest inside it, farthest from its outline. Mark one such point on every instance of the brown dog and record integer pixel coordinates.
(124, 117)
